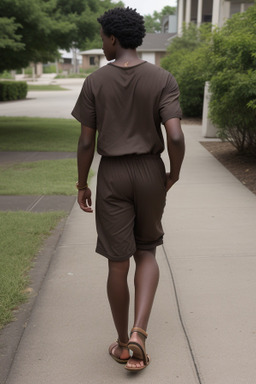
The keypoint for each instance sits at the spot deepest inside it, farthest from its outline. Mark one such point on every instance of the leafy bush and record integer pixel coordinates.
(70, 76)
(89, 70)
(49, 68)
(233, 86)
(187, 60)
(28, 71)
(226, 58)
(233, 108)
(191, 79)
(13, 90)
(6, 75)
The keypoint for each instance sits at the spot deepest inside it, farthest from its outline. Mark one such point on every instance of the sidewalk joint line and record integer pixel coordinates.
(29, 209)
(180, 318)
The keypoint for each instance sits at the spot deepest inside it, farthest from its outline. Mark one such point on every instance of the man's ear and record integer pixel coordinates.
(113, 39)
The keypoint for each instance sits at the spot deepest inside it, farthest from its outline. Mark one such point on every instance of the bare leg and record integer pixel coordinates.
(146, 282)
(119, 299)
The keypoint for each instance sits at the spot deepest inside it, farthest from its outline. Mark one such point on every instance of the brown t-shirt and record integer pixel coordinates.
(127, 105)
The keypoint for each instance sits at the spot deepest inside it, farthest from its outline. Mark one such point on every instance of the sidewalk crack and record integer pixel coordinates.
(181, 319)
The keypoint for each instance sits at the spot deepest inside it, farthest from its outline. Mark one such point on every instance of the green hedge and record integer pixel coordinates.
(13, 90)
(233, 81)
(188, 60)
(233, 108)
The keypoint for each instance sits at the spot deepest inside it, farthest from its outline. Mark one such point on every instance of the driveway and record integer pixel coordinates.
(57, 104)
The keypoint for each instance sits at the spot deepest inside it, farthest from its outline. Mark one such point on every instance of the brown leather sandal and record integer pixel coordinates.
(112, 348)
(138, 350)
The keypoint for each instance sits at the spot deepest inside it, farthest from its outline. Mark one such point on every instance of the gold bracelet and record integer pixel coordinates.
(81, 188)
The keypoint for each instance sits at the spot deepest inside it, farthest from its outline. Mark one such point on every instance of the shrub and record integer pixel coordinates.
(13, 90)
(28, 71)
(233, 108)
(191, 79)
(233, 86)
(187, 60)
(6, 75)
(49, 68)
(89, 70)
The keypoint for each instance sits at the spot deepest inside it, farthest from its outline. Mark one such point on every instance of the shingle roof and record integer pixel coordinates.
(96, 51)
(154, 42)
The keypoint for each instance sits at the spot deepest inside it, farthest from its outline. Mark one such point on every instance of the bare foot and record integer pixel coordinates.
(140, 359)
(135, 363)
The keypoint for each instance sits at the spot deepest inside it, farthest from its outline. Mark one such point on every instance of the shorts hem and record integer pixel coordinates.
(114, 258)
(150, 246)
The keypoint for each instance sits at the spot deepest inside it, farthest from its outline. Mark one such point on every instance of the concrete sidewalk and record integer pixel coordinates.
(202, 328)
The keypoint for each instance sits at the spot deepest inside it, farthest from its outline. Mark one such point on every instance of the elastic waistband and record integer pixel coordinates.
(133, 156)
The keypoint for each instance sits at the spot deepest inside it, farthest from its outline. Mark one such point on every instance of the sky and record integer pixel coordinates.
(145, 7)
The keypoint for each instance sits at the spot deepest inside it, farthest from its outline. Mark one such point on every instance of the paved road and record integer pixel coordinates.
(45, 104)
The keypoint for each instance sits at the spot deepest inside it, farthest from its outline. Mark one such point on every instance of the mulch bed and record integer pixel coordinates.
(241, 166)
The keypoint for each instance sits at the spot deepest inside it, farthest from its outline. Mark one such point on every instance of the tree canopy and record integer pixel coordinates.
(34, 30)
(153, 23)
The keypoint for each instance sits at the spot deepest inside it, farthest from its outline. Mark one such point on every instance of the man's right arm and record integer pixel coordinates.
(85, 154)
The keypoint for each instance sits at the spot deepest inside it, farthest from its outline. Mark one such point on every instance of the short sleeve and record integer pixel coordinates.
(85, 110)
(169, 107)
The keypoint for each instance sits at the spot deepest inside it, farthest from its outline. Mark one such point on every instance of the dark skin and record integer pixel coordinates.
(147, 272)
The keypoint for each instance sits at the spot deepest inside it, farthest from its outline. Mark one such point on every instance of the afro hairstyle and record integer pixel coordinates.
(125, 24)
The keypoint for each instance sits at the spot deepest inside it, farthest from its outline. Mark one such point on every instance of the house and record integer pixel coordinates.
(70, 61)
(154, 47)
(212, 11)
(93, 58)
(152, 50)
(169, 24)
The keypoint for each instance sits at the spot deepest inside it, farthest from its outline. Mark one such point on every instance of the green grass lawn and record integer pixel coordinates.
(47, 177)
(51, 87)
(21, 236)
(38, 134)
(22, 233)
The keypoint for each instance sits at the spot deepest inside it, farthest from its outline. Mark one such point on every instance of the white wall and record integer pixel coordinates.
(148, 56)
(103, 61)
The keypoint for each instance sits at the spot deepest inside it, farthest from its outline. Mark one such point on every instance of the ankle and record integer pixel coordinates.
(138, 335)
(122, 344)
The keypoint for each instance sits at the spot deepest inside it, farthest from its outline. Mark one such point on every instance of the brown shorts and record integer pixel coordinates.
(130, 202)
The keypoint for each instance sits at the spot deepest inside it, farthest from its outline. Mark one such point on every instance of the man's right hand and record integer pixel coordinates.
(170, 181)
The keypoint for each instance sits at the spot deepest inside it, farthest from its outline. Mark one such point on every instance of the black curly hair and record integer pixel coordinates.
(125, 24)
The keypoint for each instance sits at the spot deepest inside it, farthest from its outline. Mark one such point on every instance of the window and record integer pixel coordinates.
(207, 18)
(92, 60)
